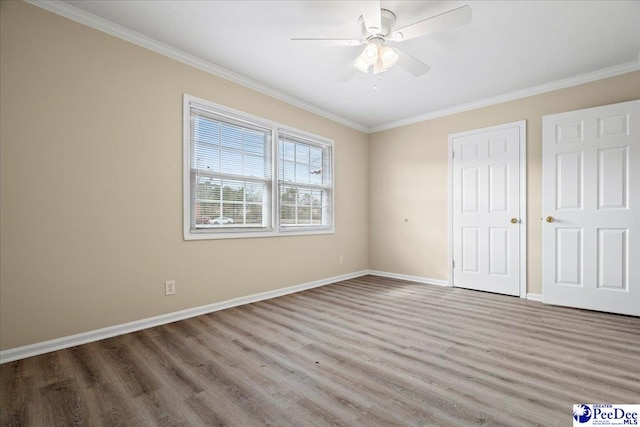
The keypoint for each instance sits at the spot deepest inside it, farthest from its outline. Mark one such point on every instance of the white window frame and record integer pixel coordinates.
(312, 141)
(273, 228)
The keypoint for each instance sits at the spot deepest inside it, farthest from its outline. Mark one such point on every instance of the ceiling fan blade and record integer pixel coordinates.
(372, 16)
(445, 21)
(329, 42)
(411, 64)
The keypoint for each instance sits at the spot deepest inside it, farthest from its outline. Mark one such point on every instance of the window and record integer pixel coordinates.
(230, 173)
(304, 183)
(229, 185)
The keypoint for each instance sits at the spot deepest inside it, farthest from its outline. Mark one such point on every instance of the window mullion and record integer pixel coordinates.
(275, 183)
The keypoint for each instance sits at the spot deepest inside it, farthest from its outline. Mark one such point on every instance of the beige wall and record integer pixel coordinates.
(408, 178)
(91, 186)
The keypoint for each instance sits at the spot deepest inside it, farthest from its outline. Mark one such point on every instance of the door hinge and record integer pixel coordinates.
(453, 154)
(453, 264)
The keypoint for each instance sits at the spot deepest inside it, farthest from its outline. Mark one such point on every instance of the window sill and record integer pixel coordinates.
(234, 234)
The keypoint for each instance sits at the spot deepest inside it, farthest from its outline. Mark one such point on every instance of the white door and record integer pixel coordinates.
(486, 208)
(590, 204)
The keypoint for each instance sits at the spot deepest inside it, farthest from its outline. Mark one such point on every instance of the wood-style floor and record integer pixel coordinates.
(364, 352)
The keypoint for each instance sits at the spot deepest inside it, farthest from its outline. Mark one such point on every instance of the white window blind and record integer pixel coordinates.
(230, 172)
(304, 182)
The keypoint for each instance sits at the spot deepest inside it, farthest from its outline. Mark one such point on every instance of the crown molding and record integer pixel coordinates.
(88, 19)
(536, 90)
(68, 11)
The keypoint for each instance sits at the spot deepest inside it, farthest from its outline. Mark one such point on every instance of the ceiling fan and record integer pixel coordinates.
(377, 29)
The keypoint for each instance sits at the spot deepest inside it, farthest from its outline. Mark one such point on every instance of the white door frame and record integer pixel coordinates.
(522, 127)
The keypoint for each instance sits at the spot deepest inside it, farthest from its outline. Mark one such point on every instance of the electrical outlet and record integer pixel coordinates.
(170, 287)
(341, 259)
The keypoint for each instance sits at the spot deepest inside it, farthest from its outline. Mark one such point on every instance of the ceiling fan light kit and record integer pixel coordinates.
(370, 53)
(375, 33)
(360, 65)
(388, 56)
(375, 53)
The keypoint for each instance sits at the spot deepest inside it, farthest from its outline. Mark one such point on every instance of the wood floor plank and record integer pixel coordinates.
(64, 404)
(369, 351)
(15, 394)
(625, 378)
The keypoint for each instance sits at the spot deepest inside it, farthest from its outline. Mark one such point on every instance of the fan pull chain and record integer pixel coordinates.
(375, 85)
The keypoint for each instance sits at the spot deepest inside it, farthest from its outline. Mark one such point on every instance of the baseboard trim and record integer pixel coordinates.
(429, 281)
(30, 350)
(535, 297)
(418, 279)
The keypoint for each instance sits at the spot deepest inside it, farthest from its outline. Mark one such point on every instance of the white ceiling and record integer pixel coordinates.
(509, 47)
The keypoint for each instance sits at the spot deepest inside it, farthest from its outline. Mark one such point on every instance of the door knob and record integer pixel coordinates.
(550, 218)
(514, 220)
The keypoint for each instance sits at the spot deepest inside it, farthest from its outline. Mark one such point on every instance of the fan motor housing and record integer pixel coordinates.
(387, 20)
